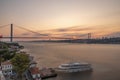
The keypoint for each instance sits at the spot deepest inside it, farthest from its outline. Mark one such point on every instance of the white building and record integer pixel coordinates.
(33, 64)
(7, 68)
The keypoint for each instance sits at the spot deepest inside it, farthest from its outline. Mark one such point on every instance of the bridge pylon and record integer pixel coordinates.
(11, 33)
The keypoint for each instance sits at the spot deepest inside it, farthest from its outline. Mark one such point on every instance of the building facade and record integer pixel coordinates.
(34, 71)
(7, 68)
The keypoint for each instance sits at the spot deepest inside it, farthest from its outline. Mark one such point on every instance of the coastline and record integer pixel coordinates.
(52, 54)
(81, 41)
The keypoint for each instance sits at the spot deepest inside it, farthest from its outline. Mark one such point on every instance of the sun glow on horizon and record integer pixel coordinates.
(62, 17)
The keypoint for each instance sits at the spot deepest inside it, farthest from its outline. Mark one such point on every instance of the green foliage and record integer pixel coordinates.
(6, 55)
(2, 52)
(3, 45)
(20, 62)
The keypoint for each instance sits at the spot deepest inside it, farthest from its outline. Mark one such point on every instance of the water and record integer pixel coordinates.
(105, 58)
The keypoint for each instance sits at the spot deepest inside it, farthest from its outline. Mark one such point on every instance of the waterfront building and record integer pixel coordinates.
(35, 73)
(7, 68)
(32, 64)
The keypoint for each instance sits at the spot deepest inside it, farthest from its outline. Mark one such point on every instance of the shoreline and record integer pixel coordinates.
(67, 42)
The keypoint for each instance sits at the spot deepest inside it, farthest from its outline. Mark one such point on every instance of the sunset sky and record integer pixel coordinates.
(62, 17)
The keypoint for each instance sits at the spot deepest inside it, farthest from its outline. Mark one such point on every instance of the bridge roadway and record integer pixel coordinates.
(36, 38)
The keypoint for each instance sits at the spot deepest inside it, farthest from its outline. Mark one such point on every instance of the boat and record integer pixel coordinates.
(74, 67)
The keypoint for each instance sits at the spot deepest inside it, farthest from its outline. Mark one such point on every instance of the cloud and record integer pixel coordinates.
(61, 30)
(26, 34)
(72, 29)
(78, 32)
(34, 34)
(38, 34)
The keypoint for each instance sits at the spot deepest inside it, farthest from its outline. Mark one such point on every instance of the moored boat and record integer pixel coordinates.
(74, 67)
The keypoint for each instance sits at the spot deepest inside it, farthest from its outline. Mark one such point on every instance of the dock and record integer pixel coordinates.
(47, 73)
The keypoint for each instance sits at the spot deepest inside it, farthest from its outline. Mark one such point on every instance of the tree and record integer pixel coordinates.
(5, 54)
(20, 63)
(8, 55)
(2, 52)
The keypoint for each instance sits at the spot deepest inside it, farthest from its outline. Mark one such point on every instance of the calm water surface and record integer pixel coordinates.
(105, 58)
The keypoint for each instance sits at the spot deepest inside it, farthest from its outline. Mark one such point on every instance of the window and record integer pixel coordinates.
(33, 76)
(38, 75)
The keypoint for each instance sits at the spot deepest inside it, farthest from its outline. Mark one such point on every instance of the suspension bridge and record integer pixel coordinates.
(44, 36)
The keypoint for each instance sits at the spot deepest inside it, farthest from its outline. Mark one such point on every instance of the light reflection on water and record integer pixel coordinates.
(105, 58)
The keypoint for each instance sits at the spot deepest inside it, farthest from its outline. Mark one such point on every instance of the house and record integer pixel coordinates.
(35, 73)
(7, 68)
(33, 64)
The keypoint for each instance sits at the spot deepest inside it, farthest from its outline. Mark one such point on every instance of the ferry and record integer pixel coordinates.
(74, 67)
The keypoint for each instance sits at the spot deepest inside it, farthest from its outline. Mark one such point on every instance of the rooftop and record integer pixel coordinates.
(34, 70)
(6, 62)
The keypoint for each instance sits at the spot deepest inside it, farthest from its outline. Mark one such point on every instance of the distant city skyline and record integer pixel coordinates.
(62, 17)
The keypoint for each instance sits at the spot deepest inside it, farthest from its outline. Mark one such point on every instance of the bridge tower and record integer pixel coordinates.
(11, 33)
(89, 35)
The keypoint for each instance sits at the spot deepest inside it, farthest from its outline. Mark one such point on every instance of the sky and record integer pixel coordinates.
(62, 17)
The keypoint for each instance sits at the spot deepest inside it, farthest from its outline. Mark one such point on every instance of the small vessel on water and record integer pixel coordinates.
(74, 67)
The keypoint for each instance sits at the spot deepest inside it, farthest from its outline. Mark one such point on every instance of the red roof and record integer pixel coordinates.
(6, 63)
(0, 36)
(34, 70)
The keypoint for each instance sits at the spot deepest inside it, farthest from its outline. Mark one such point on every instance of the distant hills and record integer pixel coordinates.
(115, 34)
